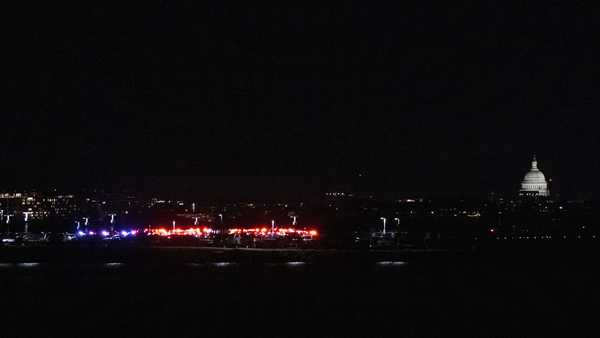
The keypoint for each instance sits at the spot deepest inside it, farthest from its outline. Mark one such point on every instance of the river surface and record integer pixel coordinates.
(442, 296)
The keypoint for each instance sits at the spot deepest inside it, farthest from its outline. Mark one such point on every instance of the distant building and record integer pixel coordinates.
(37, 205)
(534, 183)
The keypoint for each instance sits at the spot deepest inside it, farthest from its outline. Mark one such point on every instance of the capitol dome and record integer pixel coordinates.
(534, 182)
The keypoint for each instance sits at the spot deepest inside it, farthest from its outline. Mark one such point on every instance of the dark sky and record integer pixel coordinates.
(265, 100)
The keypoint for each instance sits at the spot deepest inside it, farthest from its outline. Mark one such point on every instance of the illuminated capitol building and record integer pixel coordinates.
(534, 182)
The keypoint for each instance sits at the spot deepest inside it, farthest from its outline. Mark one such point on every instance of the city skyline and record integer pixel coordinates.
(295, 187)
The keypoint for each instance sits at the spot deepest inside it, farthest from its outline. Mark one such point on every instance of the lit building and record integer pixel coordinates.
(38, 206)
(534, 182)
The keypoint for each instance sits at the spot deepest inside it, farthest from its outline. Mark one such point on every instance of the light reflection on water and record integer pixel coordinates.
(222, 264)
(292, 264)
(196, 265)
(28, 265)
(391, 263)
(289, 264)
(114, 264)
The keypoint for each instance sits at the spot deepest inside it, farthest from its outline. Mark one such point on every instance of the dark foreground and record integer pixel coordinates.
(185, 294)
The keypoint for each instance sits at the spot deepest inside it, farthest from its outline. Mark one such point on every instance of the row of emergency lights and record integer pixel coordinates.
(252, 231)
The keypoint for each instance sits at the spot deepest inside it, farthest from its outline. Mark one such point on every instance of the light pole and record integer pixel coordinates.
(8, 223)
(272, 227)
(195, 220)
(294, 220)
(193, 207)
(27, 213)
(173, 226)
(222, 225)
(384, 221)
(112, 222)
(397, 220)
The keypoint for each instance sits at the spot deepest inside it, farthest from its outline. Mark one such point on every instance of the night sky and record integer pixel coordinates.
(275, 101)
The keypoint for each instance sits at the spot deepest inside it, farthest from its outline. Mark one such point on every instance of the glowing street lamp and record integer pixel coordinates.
(112, 221)
(8, 222)
(397, 220)
(27, 213)
(173, 226)
(384, 221)
(294, 220)
(195, 220)
(272, 227)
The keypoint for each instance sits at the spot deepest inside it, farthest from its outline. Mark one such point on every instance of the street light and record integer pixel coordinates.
(384, 221)
(222, 224)
(173, 226)
(27, 213)
(294, 220)
(86, 221)
(112, 221)
(397, 220)
(272, 227)
(8, 223)
(195, 220)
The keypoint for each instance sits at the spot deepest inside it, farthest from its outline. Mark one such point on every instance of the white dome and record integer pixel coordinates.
(534, 177)
(534, 181)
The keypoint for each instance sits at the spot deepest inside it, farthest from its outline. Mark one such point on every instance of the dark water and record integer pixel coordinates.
(467, 296)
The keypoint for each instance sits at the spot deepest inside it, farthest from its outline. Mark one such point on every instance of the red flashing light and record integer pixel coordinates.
(206, 231)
